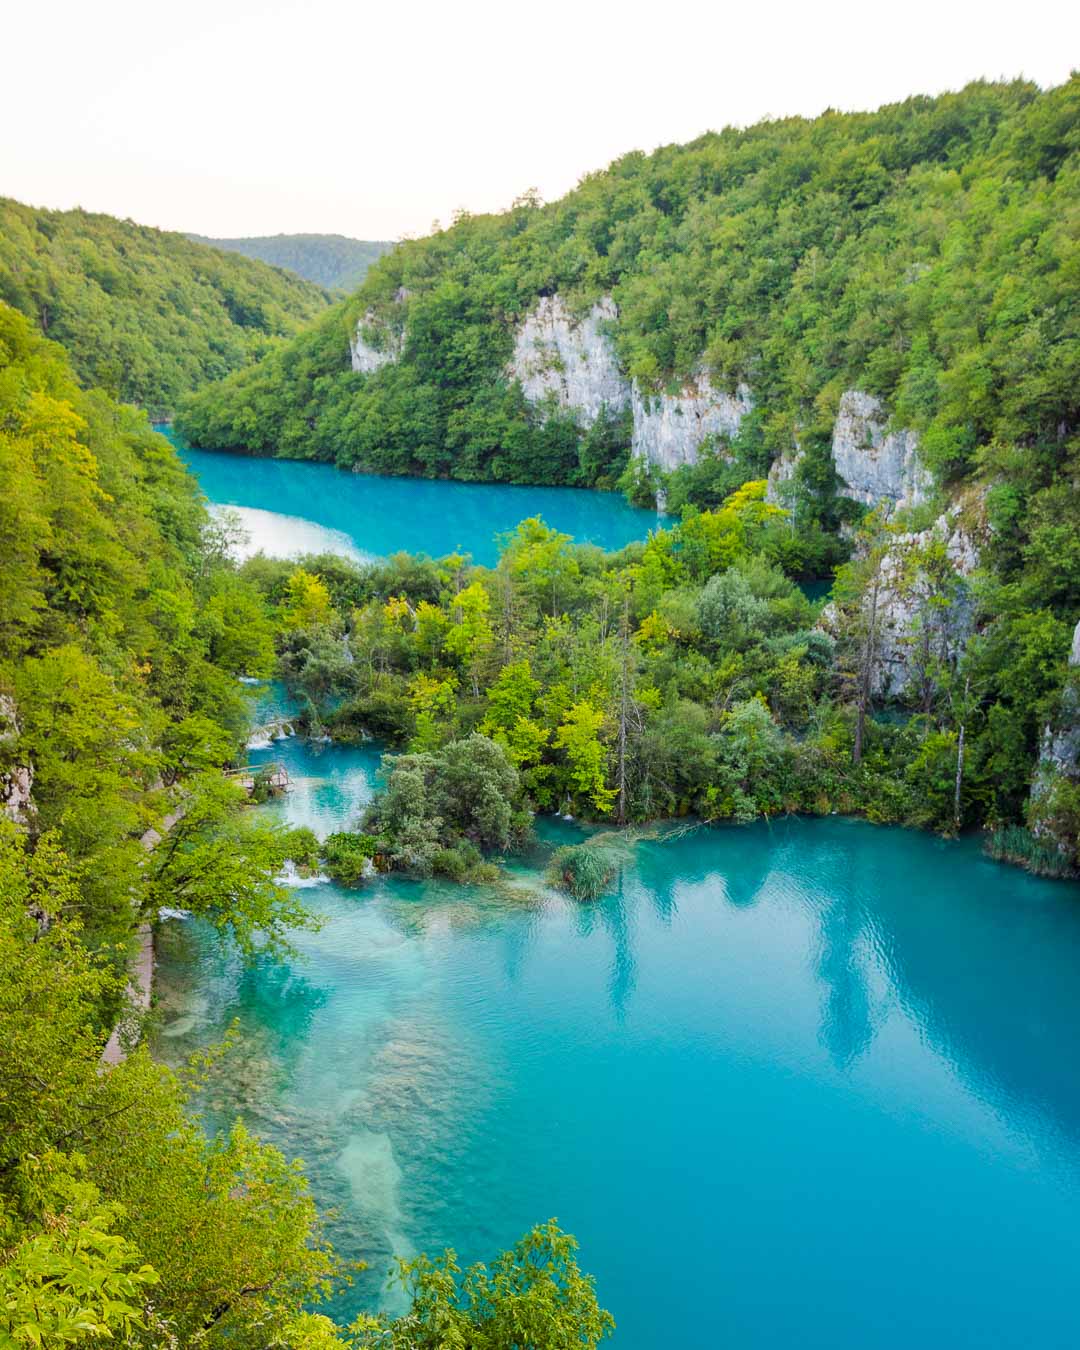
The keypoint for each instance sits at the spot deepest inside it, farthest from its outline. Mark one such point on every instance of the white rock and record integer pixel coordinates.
(574, 360)
(670, 429)
(365, 357)
(781, 473)
(16, 780)
(876, 467)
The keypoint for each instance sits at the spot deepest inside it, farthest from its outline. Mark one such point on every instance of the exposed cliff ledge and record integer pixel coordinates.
(923, 610)
(670, 429)
(16, 779)
(1060, 756)
(366, 357)
(876, 467)
(572, 360)
(780, 484)
(575, 362)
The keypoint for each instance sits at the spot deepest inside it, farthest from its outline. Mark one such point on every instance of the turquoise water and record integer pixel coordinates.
(290, 507)
(803, 1084)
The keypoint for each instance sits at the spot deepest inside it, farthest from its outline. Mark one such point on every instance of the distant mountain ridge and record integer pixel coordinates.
(331, 260)
(146, 314)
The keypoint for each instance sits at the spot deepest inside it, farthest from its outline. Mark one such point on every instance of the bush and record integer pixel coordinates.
(584, 871)
(1018, 845)
(348, 858)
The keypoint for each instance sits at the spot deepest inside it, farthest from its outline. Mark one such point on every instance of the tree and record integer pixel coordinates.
(579, 736)
(533, 1295)
(222, 865)
(307, 601)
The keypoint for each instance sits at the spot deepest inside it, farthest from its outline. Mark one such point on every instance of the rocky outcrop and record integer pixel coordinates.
(16, 777)
(365, 356)
(574, 362)
(876, 466)
(670, 429)
(779, 485)
(570, 360)
(1061, 749)
(923, 613)
(926, 613)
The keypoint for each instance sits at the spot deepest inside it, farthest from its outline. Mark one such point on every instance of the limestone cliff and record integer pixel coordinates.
(670, 429)
(575, 361)
(876, 466)
(16, 779)
(1060, 756)
(365, 356)
(572, 360)
(923, 613)
(389, 338)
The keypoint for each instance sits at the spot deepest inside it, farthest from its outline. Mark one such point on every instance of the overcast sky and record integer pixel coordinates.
(230, 117)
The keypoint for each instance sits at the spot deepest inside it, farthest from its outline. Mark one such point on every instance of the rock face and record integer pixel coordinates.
(919, 623)
(781, 473)
(670, 429)
(876, 467)
(366, 358)
(16, 780)
(1060, 755)
(913, 626)
(574, 361)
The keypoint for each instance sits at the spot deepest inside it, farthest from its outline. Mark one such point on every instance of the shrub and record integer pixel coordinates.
(348, 858)
(584, 871)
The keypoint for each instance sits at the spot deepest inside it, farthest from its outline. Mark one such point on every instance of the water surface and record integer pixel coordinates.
(290, 507)
(802, 1084)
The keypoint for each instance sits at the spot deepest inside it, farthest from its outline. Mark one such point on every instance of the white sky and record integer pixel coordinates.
(232, 117)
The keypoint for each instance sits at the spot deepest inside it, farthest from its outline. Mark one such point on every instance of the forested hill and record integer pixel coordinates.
(331, 260)
(143, 313)
(924, 254)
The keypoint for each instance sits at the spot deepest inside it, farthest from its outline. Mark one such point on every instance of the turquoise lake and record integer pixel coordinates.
(806, 1083)
(289, 507)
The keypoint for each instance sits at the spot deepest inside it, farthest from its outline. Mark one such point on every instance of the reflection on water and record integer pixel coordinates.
(815, 1077)
(290, 507)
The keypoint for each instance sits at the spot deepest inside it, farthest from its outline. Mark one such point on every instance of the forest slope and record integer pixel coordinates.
(331, 260)
(143, 313)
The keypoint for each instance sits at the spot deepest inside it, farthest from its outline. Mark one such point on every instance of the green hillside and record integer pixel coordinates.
(330, 260)
(925, 253)
(146, 314)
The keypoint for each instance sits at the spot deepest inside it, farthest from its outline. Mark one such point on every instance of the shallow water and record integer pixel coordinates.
(289, 507)
(809, 1083)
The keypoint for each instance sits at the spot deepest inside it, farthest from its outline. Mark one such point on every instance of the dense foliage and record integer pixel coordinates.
(925, 252)
(123, 631)
(685, 674)
(331, 260)
(142, 313)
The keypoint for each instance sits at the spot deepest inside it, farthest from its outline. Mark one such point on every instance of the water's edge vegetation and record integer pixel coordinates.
(126, 630)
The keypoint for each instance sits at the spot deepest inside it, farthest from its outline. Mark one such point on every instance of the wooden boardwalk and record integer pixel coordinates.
(275, 776)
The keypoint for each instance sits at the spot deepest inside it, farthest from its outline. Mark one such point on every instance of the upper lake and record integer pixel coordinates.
(289, 507)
